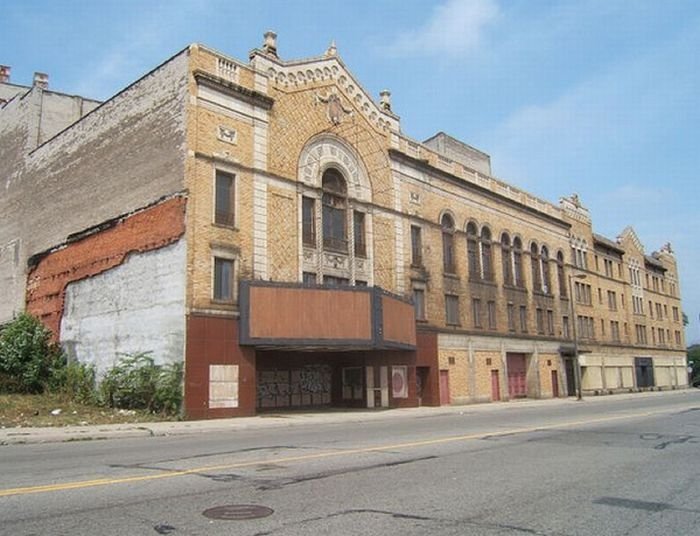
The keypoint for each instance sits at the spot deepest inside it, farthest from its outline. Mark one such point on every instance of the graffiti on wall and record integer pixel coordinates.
(306, 386)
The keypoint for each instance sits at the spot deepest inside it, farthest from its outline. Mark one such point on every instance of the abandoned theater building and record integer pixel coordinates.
(268, 224)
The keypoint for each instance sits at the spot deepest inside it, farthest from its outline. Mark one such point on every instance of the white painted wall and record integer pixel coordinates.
(138, 306)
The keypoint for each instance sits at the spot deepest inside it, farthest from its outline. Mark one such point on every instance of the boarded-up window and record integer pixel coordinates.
(223, 386)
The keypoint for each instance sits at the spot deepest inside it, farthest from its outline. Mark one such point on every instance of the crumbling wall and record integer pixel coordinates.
(98, 250)
(125, 154)
(138, 306)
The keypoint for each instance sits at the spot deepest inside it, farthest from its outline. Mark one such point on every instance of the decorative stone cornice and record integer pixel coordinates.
(231, 88)
(297, 74)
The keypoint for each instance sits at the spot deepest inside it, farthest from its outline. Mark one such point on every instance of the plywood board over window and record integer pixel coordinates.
(223, 386)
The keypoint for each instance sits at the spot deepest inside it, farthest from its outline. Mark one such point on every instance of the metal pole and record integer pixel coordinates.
(577, 363)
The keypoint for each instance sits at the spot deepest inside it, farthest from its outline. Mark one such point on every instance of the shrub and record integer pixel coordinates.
(136, 382)
(77, 381)
(27, 356)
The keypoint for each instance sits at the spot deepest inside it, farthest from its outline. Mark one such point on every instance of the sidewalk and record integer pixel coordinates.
(14, 436)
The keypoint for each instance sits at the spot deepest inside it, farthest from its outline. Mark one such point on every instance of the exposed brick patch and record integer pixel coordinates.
(152, 228)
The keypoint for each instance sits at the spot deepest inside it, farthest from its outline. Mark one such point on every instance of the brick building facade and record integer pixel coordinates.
(268, 223)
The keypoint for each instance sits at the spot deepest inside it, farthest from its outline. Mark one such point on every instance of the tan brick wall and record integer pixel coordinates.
(549, 363)
(459, 374)
(282, 235)
(482, 373)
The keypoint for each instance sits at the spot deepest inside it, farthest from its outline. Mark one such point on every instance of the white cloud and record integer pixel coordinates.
(454, 29)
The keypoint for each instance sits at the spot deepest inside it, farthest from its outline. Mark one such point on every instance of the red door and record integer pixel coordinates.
(555, 384)
(517, 375)
(495, 386)
(444, 387)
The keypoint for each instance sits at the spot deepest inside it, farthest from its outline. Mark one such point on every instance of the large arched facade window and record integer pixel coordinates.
(518, 262)
(546, 278)
(486, 256)
(473, 252)
(535, 267)
(448, 246)
(507, 259)
(560, 274)
(335, 205)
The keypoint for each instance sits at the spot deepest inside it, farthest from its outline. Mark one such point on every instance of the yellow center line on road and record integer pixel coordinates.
(330, 454)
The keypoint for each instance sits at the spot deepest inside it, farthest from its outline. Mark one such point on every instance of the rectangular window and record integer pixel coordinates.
(476, 312)
(491, 307)
(612, 300)
(675, 314)
(416, 246)
(223, 279)
(678, 338)
(523, 319)
(615, 330)
(452, 309)
(419, 303)
(333, 281)
(308, 217)
(225, 200)
(539, 317)
(511, 317)
(550, 322)
(565, 327)
(309, 278)
(358, 219)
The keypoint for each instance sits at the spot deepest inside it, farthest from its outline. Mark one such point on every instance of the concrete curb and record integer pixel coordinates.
(17, 436)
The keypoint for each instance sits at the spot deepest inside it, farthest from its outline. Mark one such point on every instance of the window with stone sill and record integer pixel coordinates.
(308, 217)
(359, 234)
(416, 246)
(223, 279)
(452, 310)
(448, 253)
(335, 236)
(419, 303)
(225, 201)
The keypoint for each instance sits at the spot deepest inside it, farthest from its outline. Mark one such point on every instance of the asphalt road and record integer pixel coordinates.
(609, 466)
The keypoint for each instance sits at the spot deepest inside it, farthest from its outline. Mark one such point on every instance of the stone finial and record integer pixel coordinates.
(270, 43)
(667, 248)
(385, 100)
(5, 74)
(332, 50)
(41, 80)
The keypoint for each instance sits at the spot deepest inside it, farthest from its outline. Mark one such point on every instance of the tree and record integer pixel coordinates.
(694, 362)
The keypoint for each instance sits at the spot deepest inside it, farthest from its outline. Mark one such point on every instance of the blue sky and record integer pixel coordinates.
(598, 97)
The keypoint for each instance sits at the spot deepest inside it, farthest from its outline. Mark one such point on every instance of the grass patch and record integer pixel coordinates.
(35, 410)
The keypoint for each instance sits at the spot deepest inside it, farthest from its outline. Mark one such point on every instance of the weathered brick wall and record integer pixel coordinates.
(146, 230)
(123, 155)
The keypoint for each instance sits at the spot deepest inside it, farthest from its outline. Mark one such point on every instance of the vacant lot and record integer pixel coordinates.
(36, 410)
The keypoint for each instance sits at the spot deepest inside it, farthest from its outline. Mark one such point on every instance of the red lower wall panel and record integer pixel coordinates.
(214, 341)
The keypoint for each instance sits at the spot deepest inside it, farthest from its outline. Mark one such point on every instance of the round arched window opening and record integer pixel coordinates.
(335, 236)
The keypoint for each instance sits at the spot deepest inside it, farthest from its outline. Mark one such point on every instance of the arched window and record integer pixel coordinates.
(335, 234)
(448, 252)
(560, 274)
(486, 261)
(506, 259)
(473, 252)
(546, 279)
(518, 262)
(535, 265)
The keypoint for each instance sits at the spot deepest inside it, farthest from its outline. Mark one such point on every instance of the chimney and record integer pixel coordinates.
(41, 80)
(385, 100)
(270, 44)
(5, 74)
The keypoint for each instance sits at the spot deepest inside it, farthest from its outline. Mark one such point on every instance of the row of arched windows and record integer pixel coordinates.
(480, 258)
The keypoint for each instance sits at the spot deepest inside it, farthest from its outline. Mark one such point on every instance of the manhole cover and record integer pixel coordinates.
(234, 512)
